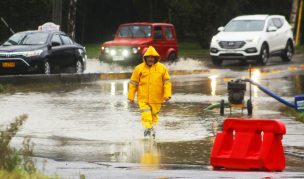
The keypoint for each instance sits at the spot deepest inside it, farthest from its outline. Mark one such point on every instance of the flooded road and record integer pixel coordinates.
(93, 122)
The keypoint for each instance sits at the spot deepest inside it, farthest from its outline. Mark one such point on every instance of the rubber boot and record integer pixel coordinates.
(147, 132)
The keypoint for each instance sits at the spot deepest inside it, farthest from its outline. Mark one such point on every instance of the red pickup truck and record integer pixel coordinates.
(132, 40)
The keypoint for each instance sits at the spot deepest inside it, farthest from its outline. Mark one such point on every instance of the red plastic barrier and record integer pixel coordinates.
(249, 144)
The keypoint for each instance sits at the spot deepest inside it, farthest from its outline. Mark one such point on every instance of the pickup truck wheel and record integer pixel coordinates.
(172, 57)
(78, 68)
(264, 55)
(288, 52)
(46, 67)
(216, 61)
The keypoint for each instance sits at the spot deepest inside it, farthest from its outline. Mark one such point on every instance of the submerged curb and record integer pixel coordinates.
(78, 78)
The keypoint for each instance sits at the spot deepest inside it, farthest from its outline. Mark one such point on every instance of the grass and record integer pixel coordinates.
(186, 49)
(93, 50)
(299, 49)
(192, 49)
(287, 111)
(20, 174)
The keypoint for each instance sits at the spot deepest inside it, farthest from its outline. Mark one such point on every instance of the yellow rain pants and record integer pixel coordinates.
(149, 114)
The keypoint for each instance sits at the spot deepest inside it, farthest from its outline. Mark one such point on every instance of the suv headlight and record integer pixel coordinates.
(214, 39)
(253, 40)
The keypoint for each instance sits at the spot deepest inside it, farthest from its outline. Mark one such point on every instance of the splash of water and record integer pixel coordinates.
(94, 66)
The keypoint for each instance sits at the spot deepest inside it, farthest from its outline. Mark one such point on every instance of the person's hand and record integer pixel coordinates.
(167, 99)
(131, 101)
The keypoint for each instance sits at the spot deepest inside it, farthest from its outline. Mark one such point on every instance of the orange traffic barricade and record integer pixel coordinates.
(249, 144)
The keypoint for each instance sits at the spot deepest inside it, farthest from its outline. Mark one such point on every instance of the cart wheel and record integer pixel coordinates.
(222, 107)
(249, 107)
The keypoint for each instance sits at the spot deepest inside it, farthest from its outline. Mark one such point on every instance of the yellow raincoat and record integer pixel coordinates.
(152, 86)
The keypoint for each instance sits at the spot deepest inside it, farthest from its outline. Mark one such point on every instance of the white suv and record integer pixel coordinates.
(255, 37)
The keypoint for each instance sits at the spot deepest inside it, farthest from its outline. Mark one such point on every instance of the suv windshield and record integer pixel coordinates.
(37, 38)
(245, 25)
(135, 31)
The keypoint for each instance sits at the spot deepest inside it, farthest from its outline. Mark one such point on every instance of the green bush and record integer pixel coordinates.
(9, 158)
(17, 163)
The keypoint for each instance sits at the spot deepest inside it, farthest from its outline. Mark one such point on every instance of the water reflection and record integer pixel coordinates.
(255, 76)
(213, 84)
(150, 157)
(125, 87)
(113, 88)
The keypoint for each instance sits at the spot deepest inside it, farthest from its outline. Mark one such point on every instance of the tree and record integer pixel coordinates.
(72, 18)
(57, 11)
(293, 13)
(24, 15)
(199, 19)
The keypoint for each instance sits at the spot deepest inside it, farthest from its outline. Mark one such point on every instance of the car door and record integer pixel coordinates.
(281, 41)
(159, 41)
(56, 53)
(70, 50)
(170, 41)
(272, 37)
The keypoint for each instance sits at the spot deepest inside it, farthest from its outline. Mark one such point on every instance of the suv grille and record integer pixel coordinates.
(231, 44)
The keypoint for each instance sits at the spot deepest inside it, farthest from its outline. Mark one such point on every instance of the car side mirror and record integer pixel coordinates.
(272, 29)
(49, 46)
(221, 29)
(55, 44)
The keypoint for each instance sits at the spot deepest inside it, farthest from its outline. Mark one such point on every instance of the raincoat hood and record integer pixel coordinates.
(152, 52)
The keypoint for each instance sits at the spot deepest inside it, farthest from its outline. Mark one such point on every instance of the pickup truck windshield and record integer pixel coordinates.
(135, 31)
(245, 26)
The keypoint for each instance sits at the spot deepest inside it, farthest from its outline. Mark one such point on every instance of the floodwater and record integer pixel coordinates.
(93, 122)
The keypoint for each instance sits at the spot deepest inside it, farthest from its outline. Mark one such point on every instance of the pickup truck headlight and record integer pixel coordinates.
(106, 49)
(135, 49)
(113, 52)
(125, 52)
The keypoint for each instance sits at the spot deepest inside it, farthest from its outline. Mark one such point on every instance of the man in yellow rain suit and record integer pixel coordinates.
(150, 80)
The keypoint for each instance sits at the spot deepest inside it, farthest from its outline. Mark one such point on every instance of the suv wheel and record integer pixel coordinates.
(216, 61)
(264, 55)
(78, 68)
(288, 52)
(46, 68)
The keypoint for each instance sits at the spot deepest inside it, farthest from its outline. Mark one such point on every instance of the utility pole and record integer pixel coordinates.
(299, 22)
(57, 12)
